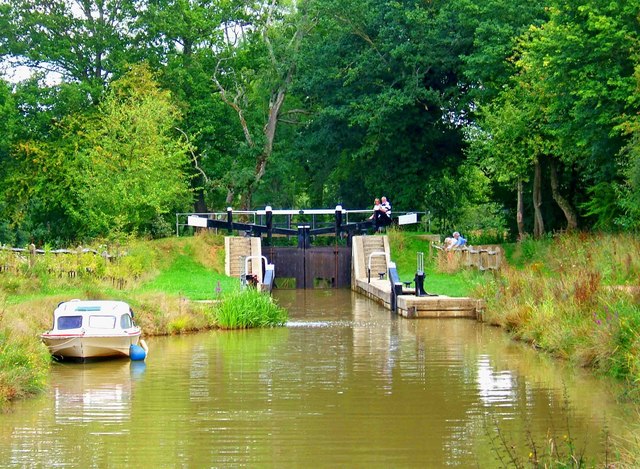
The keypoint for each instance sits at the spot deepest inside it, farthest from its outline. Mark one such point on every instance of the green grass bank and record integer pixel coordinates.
(574, 296)
(175, 286)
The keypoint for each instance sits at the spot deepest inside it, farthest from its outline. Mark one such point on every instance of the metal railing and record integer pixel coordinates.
(289, 218)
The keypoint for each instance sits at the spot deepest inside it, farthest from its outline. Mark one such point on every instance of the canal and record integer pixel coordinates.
(344, 384)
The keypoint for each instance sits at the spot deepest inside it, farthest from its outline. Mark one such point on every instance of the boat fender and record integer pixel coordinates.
(137, 353)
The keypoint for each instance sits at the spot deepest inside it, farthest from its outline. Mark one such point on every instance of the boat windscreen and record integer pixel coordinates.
(69, 322)
(125, 321)
(102, 322)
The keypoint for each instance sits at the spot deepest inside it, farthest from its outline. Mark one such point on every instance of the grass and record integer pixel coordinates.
(250, 308)
(188, 278)
(577, 299)
(23, 360)
(405, 247)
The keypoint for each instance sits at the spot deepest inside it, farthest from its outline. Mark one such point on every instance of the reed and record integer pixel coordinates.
(576, 300)
(557, 450)
(23, 359)
(249, 308)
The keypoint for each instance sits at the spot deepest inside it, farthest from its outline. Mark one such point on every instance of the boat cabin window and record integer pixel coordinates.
(69, 322)
(125, 321)
(102, 322)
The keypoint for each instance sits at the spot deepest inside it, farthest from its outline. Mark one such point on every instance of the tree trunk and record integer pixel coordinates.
(520, 211)
(538, 224)
(230, 195)
(564, 204)
(200, 206)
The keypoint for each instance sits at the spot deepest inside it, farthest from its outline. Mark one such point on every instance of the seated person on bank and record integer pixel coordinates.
(459, 241)
(381, 213)
(449, 243)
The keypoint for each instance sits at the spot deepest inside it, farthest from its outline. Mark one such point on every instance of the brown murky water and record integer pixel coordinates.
(346, 384)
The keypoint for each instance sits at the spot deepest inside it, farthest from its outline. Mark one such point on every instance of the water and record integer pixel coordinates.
(344, 384)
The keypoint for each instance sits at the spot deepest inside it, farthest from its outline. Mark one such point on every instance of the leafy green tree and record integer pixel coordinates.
(382, 80)
(132, 163)
(581, 63)
(178, 38)
(35, 184)
(574, 76)
(494, 27)
(8, 122)
(629, 190)
(86, 41)
(254, 74)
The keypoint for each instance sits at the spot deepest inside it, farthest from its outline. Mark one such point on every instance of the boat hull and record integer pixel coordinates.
(85, 346)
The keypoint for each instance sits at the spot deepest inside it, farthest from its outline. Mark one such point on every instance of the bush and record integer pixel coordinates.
(249, 308)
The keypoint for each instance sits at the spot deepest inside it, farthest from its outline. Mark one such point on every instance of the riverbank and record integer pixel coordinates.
(163, 281)
(571, 296)
(575, 297)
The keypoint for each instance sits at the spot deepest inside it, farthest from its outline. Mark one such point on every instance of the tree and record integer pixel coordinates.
(382, 80)
(82, 41)
(253, 78)
(579, 65)
(178, 38)
(35, 185)
(572, 79)
(629, 190)
(132, 163)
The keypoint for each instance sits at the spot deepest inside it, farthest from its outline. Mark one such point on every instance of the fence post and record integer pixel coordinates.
(32, 256)
(269, 223)
(229, 220)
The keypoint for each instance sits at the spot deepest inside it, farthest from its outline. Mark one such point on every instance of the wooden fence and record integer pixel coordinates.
(487, 257)
(69, 263)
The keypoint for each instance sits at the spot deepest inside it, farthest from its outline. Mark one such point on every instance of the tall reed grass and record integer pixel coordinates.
(249, 308)
(23, 359)
(577, 300)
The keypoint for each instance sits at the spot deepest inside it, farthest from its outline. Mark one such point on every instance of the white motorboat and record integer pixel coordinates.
(92, 329)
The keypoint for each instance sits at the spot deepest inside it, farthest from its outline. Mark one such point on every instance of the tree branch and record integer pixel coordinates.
(193, 156)
(233, 104)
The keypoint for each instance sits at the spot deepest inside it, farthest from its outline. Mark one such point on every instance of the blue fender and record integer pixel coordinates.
(137, 353)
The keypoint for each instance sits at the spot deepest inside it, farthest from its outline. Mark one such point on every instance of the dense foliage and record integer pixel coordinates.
(519, 116)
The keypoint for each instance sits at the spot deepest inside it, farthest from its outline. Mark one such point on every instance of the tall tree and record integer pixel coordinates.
(581, 65)
(84, 41)
(382, 78)
(36, 172)
(253, 77)
(575, 73)
(132, 163)
(178, 38)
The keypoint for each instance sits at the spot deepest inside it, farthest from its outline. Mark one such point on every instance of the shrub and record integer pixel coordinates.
(249, 308)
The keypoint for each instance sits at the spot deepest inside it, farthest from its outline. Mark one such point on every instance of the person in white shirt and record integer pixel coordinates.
(381, 213)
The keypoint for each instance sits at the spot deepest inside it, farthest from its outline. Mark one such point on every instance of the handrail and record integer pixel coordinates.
(246, 267)
(288, 214)
(373, 254)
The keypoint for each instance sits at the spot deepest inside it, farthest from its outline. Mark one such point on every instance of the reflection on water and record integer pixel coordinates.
(345, 383)
(99, 392)
(495, 387)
